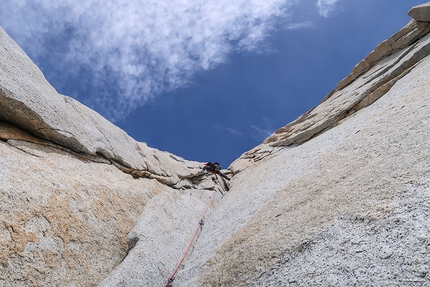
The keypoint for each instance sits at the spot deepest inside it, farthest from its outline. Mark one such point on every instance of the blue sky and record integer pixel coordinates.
(205, 80)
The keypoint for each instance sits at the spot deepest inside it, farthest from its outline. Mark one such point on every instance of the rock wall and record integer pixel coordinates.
(348, 190)
(63, 219)
(338, 197)
(73, 185)
(30, 103)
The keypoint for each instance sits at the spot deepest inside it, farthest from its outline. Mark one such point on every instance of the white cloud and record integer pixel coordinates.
(326, 7)
(301, 25)
(133, 50)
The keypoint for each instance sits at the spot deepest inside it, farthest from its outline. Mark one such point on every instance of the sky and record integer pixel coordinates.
(206, 80)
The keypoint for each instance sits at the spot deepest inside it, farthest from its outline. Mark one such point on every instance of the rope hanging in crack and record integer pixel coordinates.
(171, 278)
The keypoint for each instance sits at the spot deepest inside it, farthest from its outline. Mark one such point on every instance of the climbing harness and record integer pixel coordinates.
(171, 278)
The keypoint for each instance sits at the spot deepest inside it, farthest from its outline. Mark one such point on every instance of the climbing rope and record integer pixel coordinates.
(171, 278)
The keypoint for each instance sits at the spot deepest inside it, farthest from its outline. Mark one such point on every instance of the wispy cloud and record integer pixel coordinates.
(229, 130)
(302, 25)
(126, 52)
(262, 133)
(326, 7)
(265, 131)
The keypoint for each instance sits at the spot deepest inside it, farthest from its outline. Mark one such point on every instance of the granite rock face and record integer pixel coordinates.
(73, 185)
(369, 80)
(63, 220)
(339, 197)
(29, 102)
(328, 212)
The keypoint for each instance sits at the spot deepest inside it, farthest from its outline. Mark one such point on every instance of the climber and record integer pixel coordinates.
(214, 168)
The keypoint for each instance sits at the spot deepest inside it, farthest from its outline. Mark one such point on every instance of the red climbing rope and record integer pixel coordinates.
(170, 280)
